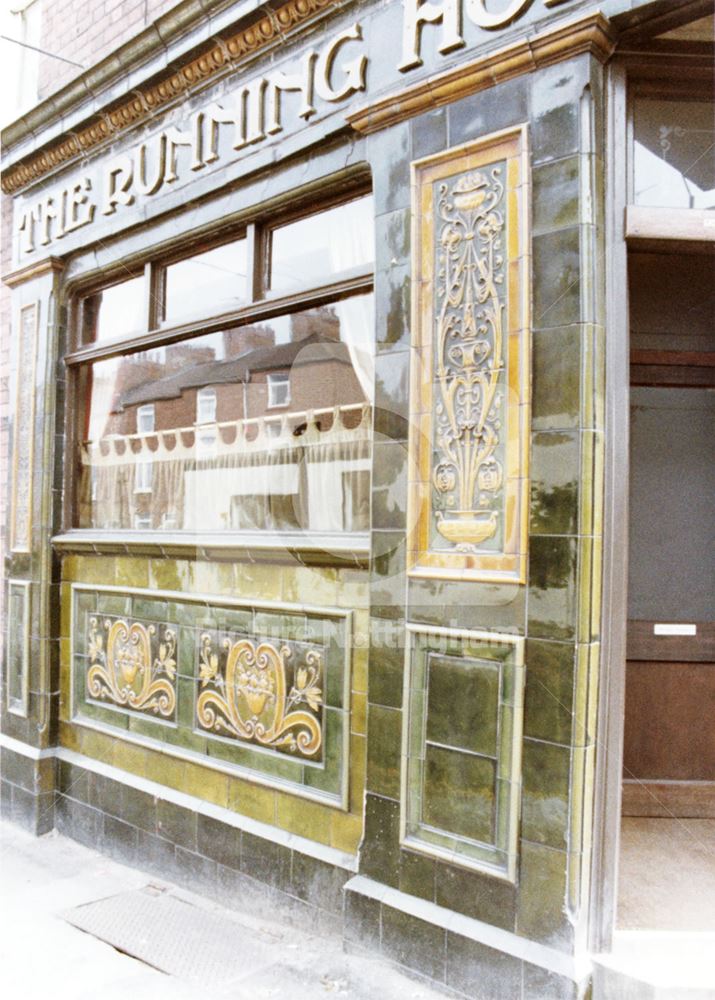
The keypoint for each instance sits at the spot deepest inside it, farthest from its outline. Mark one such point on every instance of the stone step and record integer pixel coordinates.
(656, 965)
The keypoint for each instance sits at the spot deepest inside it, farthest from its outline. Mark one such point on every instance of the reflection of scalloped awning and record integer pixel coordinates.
(236, 437)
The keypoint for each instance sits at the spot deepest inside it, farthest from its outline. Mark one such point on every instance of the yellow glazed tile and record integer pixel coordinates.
(65, 608)
(345, 832)
(358, 768)
(69, 736)
(165, 770)
(129, 757)
(169, 574)
(360, 662)
(212, 578)
(95, 569)
(132, 572)
(255, 801)
(212, 786)
(310, 585)
(299, 816)
(358, 715)
(258, 581)
(353, 589)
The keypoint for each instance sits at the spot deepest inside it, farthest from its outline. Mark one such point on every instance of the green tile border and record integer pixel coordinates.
(18, 648)
(507, 653)
(326, 782)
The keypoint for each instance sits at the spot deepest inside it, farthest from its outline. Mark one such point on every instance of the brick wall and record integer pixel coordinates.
(86, 31)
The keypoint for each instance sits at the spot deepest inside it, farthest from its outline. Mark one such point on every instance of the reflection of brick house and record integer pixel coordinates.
(313, 373)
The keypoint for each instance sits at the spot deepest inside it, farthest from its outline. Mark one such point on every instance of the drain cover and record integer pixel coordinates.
(174, 936)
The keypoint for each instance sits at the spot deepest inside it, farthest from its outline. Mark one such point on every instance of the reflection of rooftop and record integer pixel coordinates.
(313, 349)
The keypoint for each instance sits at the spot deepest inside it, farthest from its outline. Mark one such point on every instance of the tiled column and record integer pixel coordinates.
(29, 700)
(419, 907)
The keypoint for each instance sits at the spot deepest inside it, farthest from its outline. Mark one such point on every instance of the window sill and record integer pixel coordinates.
(315, 548)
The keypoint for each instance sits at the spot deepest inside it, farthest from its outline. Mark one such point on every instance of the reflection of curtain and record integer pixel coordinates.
(357, 330)
(308, 478)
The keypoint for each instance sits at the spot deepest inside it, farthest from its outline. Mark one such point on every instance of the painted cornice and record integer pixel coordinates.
(269, 28)
(592, 34)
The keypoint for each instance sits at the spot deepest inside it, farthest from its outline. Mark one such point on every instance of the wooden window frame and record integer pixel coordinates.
(262, 304)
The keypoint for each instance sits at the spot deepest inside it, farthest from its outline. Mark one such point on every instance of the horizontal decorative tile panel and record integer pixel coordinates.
(461, 766)
(263, 688)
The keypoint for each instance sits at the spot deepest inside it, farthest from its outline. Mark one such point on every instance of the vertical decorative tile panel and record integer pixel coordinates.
(24, 433)
(18, 646)
(461, 768)
(469, 397)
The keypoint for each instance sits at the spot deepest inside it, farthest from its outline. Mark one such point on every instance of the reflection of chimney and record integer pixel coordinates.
(186, 355)
(322, 321)
(247, 338)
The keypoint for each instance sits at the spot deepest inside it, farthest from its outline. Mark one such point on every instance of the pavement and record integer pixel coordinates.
(58, 900)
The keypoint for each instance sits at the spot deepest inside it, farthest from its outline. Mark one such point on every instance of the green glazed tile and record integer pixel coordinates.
(556, 278)
(476, 895)
(554, 483)
(389, 485)
(463, 704)
(556, 364)
(459, 793)
(380, 854)
(417, 874)
(545, 793)
(552, 587)
(549, 692)
(113, 604)
(384, 727)
(555, 194)
(469, 962)
(541, 911)
(150, 610)
(413, 943)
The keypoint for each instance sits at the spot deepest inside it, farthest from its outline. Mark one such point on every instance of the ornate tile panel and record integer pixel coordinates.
(18, 646)
(469, 398)
(24, 433)
(132, 665)
(461, 768)
(262, 690)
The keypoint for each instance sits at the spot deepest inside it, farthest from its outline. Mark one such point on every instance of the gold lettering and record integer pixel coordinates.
(448, 13)
(479, 15)
(193, 138)
(141, 184)
(354, 70)
(302, 81)
(117, 180)
(79, 211)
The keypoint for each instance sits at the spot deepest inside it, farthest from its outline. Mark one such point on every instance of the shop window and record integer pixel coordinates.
(673, 164)
(114, 313)
(257, 419)
(209, 283)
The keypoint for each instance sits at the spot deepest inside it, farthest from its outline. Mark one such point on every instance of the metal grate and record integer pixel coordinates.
(175, 936)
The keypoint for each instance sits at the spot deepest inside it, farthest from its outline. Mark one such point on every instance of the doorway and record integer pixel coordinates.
(667, 862)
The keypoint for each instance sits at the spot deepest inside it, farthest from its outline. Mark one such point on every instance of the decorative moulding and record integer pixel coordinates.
(271, 27)
(467, 510)
(24, 430)
(592, 34)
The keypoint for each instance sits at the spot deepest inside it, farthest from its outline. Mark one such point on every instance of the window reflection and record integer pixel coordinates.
(114, 313)
(673, 159)
(316, 248)
(263, 426)
(208, 283)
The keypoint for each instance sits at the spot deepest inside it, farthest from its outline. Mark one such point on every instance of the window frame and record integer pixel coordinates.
(352, 547)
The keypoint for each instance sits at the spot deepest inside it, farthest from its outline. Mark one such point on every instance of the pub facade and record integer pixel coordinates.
(327, 319)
